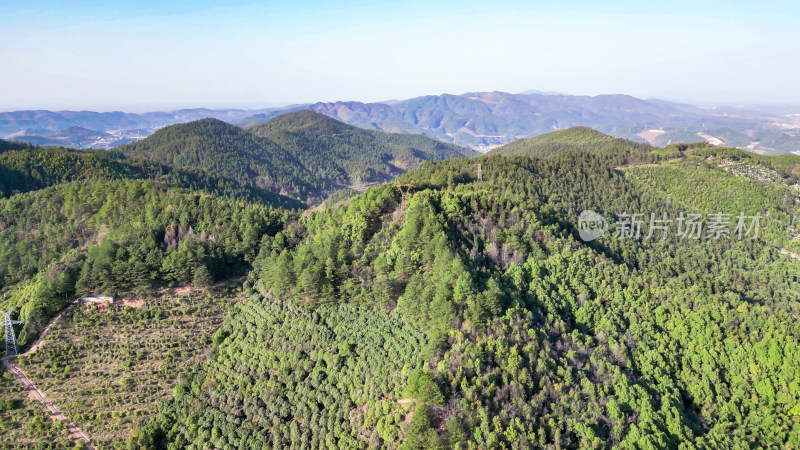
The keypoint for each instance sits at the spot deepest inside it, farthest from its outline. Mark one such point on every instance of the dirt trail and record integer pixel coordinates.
(35, 394)
(792, 254)
(38, 342)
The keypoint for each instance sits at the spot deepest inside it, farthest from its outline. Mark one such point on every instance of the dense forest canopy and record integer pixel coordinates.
(570, 139)
(32, 168)
(468, 313)
(351, 155)
(302, 154)
(113, 237)
(219, 147)
(534, 338)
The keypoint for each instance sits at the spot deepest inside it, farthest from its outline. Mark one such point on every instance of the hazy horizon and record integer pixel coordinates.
(146, 55)
(254, 106)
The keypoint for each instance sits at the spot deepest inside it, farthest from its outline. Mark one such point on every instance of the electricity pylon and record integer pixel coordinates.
(405, 188)
(11, 339)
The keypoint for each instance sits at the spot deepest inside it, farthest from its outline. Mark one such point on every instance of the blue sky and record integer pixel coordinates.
(147, 55)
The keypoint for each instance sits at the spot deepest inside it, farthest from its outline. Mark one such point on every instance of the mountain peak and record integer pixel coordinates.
(575, 135)
(583, 138)
(297, 120)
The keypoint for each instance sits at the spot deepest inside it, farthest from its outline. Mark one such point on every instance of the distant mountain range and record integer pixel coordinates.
(481, 120)
(89, 129)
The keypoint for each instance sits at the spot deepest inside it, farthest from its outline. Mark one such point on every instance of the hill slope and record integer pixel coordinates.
(32, 168)
(470, 314)
(303, 154)
(581, 138)
(218, 147)
(349, 155)
(530, 336)
(119, 236)
(14, 145)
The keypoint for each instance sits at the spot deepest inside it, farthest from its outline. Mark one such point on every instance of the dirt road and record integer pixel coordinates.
(792, 254)
(56, 319)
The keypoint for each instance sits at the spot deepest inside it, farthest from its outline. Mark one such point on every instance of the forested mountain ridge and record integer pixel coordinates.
(120, 236)
(351, 155)
(207, 157)
(28, 168)
(484, 120)
(63, 204)
(470, 315)
(14, 145)
(304, 154)
(582, 138)
(219, 147)
(530, 336)
(480, 120)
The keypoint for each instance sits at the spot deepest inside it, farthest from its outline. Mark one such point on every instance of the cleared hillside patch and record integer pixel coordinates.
(108, 368)
(24, 423)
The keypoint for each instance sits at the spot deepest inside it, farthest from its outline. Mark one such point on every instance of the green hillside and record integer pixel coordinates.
(470, 315)
(581, 138)
(23, 170)
(221, 148)
(533, 337)
(304, 154)
(35, 168)
(349, 155)
(117, 237)
(573, 135)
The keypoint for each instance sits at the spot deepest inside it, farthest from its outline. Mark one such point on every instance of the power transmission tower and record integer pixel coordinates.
(11, 339)
(404, 189)
(480, 172)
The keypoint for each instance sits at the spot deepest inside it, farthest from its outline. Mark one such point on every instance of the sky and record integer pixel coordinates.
(150, 55)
